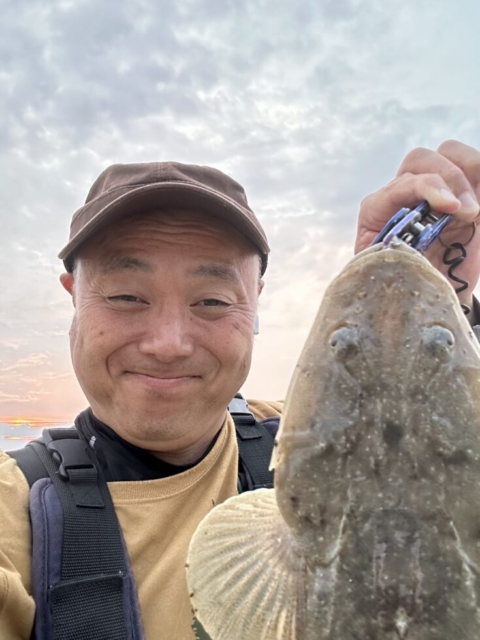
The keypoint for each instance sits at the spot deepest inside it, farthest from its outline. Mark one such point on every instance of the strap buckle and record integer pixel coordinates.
(238, 409)
(68, 453)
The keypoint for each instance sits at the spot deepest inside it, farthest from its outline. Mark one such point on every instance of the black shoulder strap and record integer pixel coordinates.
(29, 462)
(88, 602)
(93, 564)
(255, 443)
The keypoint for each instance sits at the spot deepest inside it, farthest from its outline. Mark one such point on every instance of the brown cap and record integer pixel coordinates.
(127, 188)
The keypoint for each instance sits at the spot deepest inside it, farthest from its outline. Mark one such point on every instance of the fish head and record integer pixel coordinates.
(387, 387)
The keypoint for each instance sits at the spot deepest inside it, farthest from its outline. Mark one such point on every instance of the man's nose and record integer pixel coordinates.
(168, 335)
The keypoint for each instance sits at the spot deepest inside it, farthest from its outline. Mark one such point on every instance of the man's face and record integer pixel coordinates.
(163, 329)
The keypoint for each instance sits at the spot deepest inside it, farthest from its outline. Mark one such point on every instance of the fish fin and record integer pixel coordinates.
(245, 578)
(273, 459)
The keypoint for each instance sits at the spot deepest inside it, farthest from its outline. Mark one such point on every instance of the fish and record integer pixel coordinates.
(372, 530)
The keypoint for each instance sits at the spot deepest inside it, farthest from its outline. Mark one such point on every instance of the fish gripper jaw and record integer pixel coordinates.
(417, 227)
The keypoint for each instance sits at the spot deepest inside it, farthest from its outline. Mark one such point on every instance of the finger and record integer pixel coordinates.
(407, 191)
(421, 161)
(466, 158)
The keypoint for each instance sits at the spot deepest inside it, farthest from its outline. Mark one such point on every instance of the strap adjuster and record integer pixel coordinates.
(70, 454)
(75, 467)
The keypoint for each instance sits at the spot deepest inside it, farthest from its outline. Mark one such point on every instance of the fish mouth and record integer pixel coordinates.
(396, 252)
(388, 281)
(397, 247)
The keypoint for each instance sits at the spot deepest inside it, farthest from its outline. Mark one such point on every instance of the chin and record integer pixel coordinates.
(152, 420)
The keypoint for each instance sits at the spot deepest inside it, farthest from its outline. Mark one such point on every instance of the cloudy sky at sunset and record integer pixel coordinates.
(310, 104)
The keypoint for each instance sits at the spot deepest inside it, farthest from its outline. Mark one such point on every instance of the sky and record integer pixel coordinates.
(310, 104)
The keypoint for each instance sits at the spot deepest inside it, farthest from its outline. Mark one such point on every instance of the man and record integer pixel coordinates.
(164, 266)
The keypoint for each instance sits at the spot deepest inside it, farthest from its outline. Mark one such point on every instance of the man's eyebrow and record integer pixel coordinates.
(122, 263)
(215, 270)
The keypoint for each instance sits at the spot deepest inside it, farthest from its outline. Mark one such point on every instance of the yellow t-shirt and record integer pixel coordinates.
(158, 518)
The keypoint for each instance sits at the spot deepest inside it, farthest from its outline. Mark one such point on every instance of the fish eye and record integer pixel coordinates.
(344, 342)
(438, 342)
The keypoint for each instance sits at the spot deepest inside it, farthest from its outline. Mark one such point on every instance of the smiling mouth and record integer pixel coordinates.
(162, 381)
(161, 377)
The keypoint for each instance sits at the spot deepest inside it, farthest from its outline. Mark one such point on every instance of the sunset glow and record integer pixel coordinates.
(32, 423)
(15, 431)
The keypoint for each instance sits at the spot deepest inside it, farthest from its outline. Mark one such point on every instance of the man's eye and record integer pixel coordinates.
(124, 298)
(212, 302)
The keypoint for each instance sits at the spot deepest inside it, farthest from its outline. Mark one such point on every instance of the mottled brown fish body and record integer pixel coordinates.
(378, 463)
(373, 532)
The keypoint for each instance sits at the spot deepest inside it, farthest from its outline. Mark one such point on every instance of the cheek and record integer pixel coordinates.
(237, 344)
(91, 342)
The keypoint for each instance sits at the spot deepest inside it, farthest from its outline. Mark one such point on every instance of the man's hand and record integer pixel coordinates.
(449, 179)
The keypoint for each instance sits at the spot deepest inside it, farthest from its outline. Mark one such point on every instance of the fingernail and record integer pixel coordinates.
(448, 195)
(469, 204)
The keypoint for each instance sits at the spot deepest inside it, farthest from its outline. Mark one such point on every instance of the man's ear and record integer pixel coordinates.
(260, 286)
(67, 282)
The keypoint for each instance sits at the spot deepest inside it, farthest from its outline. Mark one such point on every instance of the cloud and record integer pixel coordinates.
(311, 106)
(33, 360)
(12, 344)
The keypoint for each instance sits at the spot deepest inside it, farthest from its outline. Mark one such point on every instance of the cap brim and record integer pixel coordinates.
(164, 195)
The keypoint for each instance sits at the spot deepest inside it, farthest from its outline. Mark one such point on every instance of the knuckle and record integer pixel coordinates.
(402, 178)
(414, 157)
(447, 146)
(365, 202)
(369, 200)
(453, 175)
(431, 180)
(402, 182)
(463, 156)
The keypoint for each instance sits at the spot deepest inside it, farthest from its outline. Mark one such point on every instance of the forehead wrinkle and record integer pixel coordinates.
(215, 270)
(123, 263)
